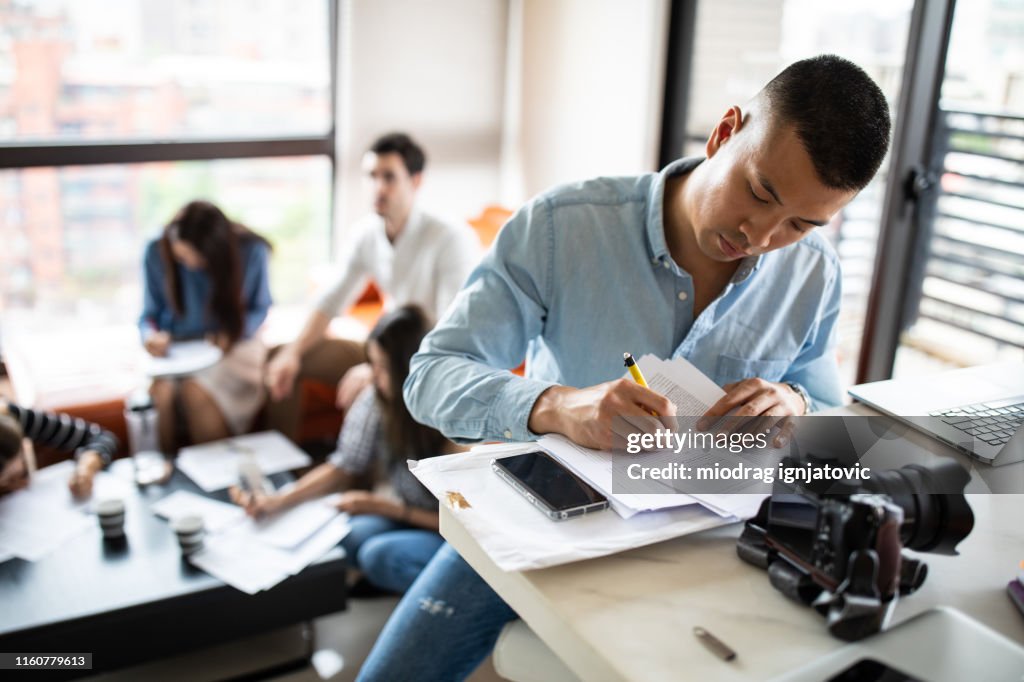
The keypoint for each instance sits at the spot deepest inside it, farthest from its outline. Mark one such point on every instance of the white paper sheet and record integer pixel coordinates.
(216, 515)
(214, 466)
(290, 528)
(519, 537)
(37, 520)
(241, 559)
(693, 393)
(183, 358)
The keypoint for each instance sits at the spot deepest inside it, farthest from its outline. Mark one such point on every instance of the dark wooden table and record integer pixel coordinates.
(137, 600)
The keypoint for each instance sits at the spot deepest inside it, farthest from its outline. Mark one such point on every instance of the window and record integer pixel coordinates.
(111, 120)
(79, 69)
(739, 45)
(967, 297)
(77, 232)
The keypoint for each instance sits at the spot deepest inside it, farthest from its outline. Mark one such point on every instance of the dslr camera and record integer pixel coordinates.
(839, 547)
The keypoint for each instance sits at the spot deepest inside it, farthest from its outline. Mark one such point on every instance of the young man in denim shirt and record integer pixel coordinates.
(715, 260)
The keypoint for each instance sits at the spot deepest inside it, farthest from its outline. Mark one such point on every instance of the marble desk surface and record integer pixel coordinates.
(630, 616)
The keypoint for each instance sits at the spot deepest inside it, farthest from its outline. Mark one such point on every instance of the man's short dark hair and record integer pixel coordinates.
(403, 145)
(839, 114)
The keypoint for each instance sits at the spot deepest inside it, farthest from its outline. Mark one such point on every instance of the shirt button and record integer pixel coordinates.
(683, 296)
(508, 434)
(664, 263)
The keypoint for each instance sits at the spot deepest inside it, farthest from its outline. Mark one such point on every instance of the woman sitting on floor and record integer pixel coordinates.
(391, 539)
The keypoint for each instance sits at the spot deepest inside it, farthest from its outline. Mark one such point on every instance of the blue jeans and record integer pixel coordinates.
(389, 553)
(444, 627)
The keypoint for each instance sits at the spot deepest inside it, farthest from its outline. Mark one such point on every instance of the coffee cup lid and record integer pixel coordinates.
(110, 506)
(188, 523)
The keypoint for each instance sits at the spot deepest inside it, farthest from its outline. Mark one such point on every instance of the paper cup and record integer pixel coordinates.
(110, 513)
(189, 529)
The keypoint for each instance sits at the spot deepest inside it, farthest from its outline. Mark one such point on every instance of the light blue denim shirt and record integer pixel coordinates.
(196, 290)
(582, 274)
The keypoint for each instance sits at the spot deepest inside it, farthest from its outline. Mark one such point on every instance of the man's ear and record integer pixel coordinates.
(727, 126)
(417, 178)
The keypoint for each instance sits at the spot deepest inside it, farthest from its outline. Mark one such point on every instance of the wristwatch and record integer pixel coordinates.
(799, 390)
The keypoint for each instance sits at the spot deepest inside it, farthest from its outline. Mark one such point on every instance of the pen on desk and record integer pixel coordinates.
(634, 371)
(713, 644)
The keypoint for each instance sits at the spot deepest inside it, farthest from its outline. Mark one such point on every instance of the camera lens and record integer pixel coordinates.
(936, 516)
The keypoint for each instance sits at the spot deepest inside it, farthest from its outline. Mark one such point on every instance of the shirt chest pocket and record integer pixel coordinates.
(731, 369)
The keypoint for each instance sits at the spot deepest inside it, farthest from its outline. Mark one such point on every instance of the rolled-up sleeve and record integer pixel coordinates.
(460, 380)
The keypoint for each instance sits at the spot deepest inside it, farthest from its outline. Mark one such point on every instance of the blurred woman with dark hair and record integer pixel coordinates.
(206, 277)
(393, 536)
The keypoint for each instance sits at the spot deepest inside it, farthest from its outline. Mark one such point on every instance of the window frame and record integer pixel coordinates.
(16, 155)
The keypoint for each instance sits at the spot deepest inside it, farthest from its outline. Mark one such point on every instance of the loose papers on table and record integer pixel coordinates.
(39, 519)
(243, 559)
(214, 466)
(253, 555)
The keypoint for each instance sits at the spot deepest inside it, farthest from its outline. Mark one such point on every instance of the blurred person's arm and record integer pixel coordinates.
(92, 445)
(321, 481)
(154, 302)
(460, 255)
(284, 367)
(256, 289)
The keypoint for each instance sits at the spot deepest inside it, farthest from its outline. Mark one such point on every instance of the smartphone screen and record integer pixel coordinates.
(539, 475)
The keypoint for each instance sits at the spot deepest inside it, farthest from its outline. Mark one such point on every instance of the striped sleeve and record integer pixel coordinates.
(64, 432)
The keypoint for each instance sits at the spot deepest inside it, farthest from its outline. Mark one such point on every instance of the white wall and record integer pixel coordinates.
(509, 97)
(435, 70)
(592, 81)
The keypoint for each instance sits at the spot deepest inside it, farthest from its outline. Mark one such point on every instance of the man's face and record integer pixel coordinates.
(394, 189)
(759, 192)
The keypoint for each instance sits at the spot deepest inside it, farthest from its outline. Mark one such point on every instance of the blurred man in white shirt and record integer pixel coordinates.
(411, 256)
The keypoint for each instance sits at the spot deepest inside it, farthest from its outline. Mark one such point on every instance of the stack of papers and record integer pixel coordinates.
(255, 555)
(40, 518)
(693, 393)
(517, 537)
(214, 466)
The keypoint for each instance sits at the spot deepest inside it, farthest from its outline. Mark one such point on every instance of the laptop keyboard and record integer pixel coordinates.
(994, 422)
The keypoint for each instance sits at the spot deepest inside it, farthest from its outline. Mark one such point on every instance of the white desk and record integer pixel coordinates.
(630, 616)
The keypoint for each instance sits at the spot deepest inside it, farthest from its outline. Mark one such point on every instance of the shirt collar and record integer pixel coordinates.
(412, 226)
(656, 205)
(656, 219)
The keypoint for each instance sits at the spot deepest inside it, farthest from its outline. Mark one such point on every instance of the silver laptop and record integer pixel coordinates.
(978, 410)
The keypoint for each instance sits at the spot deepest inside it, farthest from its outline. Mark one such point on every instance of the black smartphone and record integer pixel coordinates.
(552, 488)
(870, 670)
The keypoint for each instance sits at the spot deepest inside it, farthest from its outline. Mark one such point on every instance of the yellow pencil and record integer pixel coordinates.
(638, 376)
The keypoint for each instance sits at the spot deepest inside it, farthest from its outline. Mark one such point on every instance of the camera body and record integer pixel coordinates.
(842, 552)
